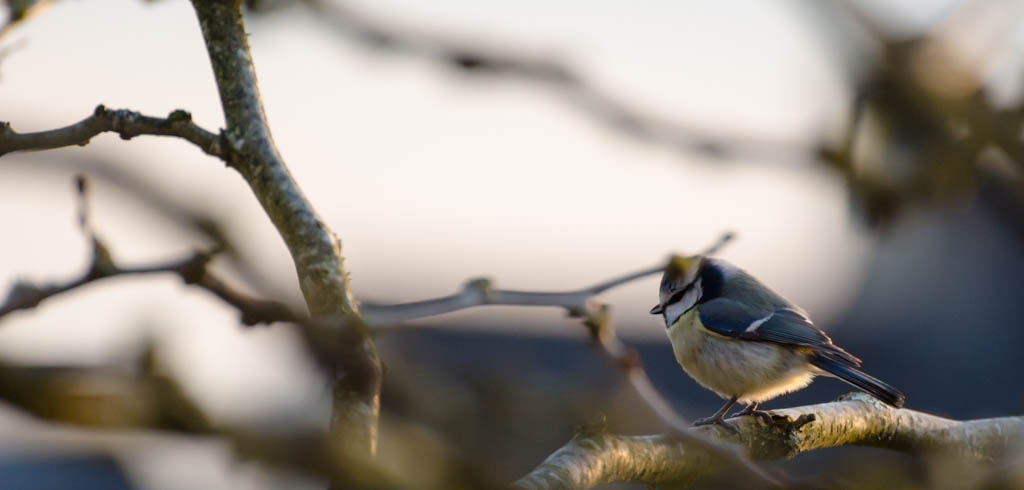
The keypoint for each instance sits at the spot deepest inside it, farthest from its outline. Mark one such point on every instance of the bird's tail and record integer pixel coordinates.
(869, 384)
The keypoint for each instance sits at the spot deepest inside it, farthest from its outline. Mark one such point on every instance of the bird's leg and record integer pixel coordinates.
(752, 410)
(719, 417)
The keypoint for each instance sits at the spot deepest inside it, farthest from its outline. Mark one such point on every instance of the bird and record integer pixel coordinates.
(747, 343)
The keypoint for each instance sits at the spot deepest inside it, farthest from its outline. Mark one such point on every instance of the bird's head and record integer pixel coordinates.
(680, 287)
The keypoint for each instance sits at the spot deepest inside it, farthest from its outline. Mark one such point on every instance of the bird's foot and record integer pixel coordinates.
(764, 415)
(716, 420)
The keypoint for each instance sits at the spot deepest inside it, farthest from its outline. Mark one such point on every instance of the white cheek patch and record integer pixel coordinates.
(675, 310)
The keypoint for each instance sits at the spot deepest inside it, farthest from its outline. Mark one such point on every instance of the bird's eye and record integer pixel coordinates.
(678, 295)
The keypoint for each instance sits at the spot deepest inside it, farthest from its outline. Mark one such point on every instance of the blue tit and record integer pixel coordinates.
(747, 343)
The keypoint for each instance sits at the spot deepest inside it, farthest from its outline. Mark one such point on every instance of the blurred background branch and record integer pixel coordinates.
(146, 398)
(926, 96)
(923, 117)
(569, 85)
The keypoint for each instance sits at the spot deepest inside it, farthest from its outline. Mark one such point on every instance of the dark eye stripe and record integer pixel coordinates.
(678, 295)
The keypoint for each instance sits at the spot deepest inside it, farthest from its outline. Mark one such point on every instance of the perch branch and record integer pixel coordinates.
(314, 248)
(128, 124)
(594, 457)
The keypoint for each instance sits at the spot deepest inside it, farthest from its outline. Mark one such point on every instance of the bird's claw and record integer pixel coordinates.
(719, 421)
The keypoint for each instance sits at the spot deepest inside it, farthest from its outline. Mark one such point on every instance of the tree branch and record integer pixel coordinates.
(594, 457)
(128, 124)
(193, 270)
(25, 295)
(315, 250)
(479, 292)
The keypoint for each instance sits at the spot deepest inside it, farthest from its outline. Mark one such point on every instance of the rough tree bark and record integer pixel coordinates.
(595, 457)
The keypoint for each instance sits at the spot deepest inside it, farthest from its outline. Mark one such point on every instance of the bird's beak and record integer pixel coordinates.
(658, 309)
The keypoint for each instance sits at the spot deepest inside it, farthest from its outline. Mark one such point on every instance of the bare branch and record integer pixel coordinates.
(25, 295)
(314, 248)
(479, 292)
(192, 270)
(594, 456)
(128, 124)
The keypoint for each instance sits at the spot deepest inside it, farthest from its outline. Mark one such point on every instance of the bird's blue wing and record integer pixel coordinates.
(730, 318)
(779, 325)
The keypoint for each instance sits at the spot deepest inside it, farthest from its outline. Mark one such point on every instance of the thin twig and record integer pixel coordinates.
(25, 295)
(479, 292)
(192, 270)
(128, 124)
